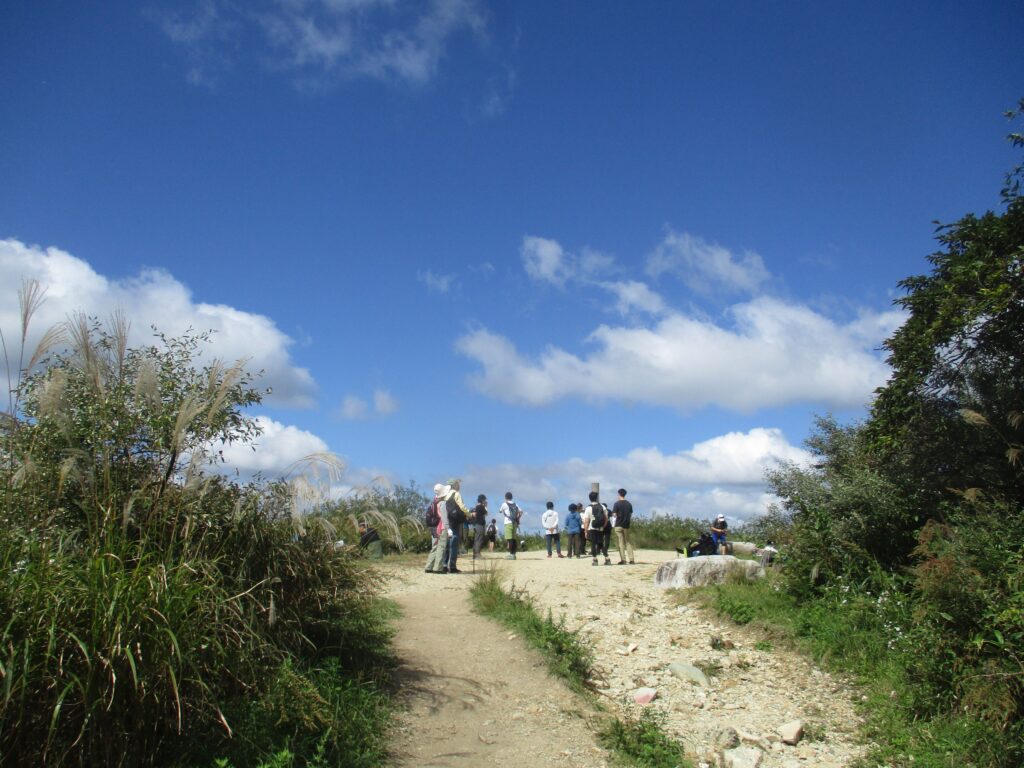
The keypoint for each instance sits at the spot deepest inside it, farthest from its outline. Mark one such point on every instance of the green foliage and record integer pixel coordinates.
(666, 531)
(147, 603)
(396, 512)
(566, 655)
(639, 739)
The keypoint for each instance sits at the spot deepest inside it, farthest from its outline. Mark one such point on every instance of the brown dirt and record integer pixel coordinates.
(473, 696)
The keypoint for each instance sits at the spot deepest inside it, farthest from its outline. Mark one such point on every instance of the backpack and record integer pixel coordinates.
(431, 517)
(598, 516)
(514, 513)
(455, 515)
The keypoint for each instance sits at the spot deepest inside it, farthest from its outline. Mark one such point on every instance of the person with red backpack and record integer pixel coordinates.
(434, 522)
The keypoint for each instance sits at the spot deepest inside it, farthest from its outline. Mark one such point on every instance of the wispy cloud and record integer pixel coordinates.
(706, 267)
(380, 405)
(151, 298)
(436, 283)
(322, 41)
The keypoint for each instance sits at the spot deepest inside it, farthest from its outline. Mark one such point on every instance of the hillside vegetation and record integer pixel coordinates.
(155, 613)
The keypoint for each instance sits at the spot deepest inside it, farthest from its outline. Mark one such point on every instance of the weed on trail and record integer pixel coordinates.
(638, 739)
(567, 656)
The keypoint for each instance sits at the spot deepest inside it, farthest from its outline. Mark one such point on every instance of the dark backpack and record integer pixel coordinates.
(514, 513)
(431, 517)
(455, 515)
(598, 516)
(706, 544)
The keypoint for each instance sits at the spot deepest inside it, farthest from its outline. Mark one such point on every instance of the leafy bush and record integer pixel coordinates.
(640, 740)
(145, 601)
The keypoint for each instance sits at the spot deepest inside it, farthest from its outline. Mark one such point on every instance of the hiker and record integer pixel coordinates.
(457, 514)
(550, 522)
(437, 561)
(623, 512)
(369, 540)
(492, 535)
(596, 515)
(479, 524)
(574, 527)
(606, 533)
(718, 529)
(512, 515)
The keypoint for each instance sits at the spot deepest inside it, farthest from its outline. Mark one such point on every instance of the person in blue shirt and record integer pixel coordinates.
(574, 527)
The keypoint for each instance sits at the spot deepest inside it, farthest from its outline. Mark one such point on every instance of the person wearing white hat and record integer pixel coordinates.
(718, 529)
(436, 562)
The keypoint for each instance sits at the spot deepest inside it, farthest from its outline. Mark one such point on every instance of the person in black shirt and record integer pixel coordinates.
(623, 512)
(479, 517)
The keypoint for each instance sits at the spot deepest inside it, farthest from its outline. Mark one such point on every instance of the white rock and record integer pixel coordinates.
(702, 571)
(742, 757)
(791, 732)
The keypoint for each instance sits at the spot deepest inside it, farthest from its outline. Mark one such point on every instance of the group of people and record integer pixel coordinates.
(448, 520)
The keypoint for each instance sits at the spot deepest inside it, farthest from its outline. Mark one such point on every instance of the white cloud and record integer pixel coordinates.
(544, 260)
(632, 297)
(722, 475)
(436, 283)
(273, 452)
(355, 408)
(152, 298)
(547, 261)
(706, 267)
(322, 40)
(774, 354)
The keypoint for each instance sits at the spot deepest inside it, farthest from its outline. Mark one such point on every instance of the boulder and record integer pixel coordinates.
(704, 570)
(743, 548)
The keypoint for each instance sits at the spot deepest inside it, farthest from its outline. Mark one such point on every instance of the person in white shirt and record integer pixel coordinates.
(512, 516)
(550, 522)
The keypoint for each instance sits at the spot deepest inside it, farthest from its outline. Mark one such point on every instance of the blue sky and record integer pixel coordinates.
(532, 245)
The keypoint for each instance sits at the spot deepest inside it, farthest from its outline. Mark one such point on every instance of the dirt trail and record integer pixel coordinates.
(475, 697)
(474, 693)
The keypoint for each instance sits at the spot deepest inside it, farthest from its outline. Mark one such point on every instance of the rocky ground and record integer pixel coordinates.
(721, 692)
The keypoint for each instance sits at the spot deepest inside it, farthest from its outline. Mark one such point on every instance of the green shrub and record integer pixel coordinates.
(639, 739)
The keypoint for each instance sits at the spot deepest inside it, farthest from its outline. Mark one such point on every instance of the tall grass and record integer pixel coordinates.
(153, 610)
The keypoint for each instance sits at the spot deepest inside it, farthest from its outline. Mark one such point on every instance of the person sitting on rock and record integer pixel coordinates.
(718, 529)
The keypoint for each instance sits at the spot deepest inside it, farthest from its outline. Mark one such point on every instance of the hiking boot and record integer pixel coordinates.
(621, 562)
(549, 556)
(454, 570)
(560, 554)
(632, 562)
(444, 570)
(510, 557)
(607, 561)
(595, 561)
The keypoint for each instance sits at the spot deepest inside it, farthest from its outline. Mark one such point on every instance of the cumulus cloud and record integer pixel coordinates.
(323, 40)
(354, 408)
(273, 452)
(706, 267)
(151, 298)
(772, 354)
(722, 475)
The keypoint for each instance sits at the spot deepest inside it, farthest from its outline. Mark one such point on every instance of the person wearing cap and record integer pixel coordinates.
(550, 522)
(456, 514)
(718, 529)
(479, 524)
(574, 527)
(623, 512)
